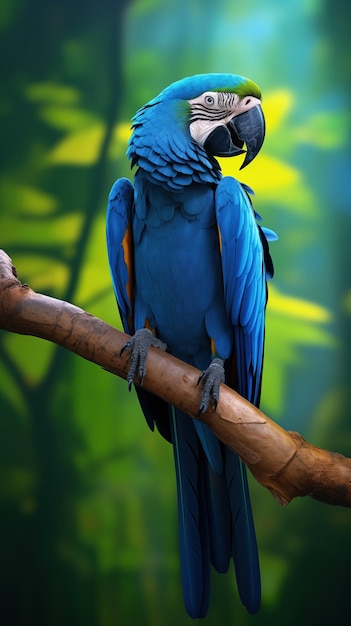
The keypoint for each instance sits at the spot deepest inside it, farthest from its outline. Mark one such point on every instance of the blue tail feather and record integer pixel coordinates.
(219, 520)
(215, 517)
(244, 544)
(211, 446)
(193, 530)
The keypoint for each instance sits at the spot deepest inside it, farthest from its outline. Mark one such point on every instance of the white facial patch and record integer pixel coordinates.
(213, 109)
(210, 110)
(200, 130)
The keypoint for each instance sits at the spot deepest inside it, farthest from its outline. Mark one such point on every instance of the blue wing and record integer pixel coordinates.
(120, 252)
(244, 258)
(245, 255)
(120, 247)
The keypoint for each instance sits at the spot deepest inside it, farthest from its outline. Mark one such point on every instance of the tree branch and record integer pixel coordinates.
(282, 461)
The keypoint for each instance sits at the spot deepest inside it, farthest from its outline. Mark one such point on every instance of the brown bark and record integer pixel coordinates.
(280, 460)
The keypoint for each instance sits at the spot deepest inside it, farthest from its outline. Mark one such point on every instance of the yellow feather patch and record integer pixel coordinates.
(147, 324)
(213, 348)
(219, 240)
(127, 245)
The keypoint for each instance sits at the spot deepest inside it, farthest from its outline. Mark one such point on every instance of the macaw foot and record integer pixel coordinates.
(139, 346)
(211, 378)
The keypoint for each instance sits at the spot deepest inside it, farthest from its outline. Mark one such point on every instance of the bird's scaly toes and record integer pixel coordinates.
(139, 346)
(211, 378)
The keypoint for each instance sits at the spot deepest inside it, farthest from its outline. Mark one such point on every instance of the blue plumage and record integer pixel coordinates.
(189, 262)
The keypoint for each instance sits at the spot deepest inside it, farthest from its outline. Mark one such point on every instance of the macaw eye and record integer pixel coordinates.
(209, 100)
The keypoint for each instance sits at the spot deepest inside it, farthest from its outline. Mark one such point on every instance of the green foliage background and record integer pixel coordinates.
(87, 494)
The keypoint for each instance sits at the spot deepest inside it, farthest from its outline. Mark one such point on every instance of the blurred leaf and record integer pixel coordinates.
(326, 130)
(21, 199)
(21, 350)
(276, 106)
(78, 148)
(59, 106)
(82, 147)
(52, 93)
(292, 323)
(11, 392)
(296, 308)
(43, 273)
(328, 416)
(67, 119)
(274, 571)
(119, 144)
(51, 230)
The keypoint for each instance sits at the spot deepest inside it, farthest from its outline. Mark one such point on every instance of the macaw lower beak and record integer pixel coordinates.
(227, 141)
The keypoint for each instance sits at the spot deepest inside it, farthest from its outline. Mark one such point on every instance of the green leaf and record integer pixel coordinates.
(274, 571)
(291, 324)
(17, 231)
(78, 148)
(22, 349)
(11, 390)
(54, 93)
(19, 198)
(82, 147)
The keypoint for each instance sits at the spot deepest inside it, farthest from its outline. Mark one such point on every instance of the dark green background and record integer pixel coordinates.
(88, 505)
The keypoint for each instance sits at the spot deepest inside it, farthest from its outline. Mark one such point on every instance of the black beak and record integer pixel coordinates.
(223, 142)
(250, 128)
(228, 141)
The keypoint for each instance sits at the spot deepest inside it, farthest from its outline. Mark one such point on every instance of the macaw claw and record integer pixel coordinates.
(211, 378)
(139, 346)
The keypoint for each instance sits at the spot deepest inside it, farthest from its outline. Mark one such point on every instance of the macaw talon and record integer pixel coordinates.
(211, 378)
(139, 346)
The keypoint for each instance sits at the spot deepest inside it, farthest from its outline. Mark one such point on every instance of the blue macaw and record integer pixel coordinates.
(189, 265)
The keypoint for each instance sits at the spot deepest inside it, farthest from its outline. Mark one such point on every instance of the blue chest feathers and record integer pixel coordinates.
(178, 271)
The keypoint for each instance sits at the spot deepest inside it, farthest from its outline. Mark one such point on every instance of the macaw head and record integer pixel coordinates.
(225, 113)
(194, 120)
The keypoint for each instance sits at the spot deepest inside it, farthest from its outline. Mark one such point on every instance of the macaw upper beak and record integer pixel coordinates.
(248, 127)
